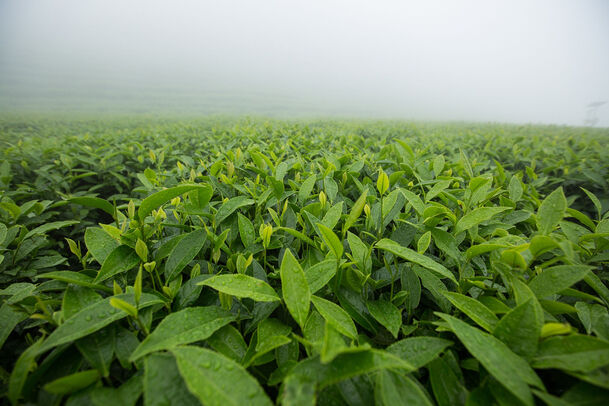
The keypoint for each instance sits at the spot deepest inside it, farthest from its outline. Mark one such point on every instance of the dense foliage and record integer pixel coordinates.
(254, 262)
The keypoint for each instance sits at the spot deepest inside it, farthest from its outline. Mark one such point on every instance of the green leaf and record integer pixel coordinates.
(240, 285)
(333, 215)
(434, 285)
(320, 274)
(156, 200)
(413, 256)
(356, 211)
(75, 278)
(121, 259)
(296, 234)
(333, 243)
(125, 395)
(185, 251)
(557, 278)
(396, 389)
(93, 318)
(414, 200)
(541, 244)
(229, 342)
(438, 164)
(476, 217)
(276, 185)
(23, 366)
(509, 369)
(438, 188)
(446, 243)
(9, 318)
(387, 314)
(163, 384)
(551, 211)
(98, 349)
(360, 252)
(217, 380)
(473, 309)
(333, 344)
(419, 351)
(184, 327)
(298, 390)
(94, 202)
(515, 189)
(412, 284)
(520, 328)
(270, 335)
(3, 233)
(575, 352)
(76, 298)
(246, 231)
(348, 365)
(230, 206)
(598, 286)
(447, 388)
(336, 316)
(296, 292)
(423, 242)
(306, 188)
(72, 383)
(354, 305)
(595, 201)
(201, 196)
(49, 227)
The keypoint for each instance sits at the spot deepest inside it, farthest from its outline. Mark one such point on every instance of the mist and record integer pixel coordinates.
(499, 61)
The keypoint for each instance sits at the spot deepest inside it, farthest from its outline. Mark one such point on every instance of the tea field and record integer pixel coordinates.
(224, 261)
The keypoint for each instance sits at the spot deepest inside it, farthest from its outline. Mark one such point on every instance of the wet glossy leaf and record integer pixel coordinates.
(331, 240)
(413, 256)
(476, 217)
(121, 259)
(520, 328)
(230, 206)
(336, 316)
(557, 278)
(551, 211)
(393, 389)
(419, 351)
(320, 274)
(99, 243)
(156, 200)
(163, 384)
(508, 368)
(572, 353)
(473, 309)
(72, 383)
(184, 252)
(387, 314)
(184, 327)
(93, 318)
(296, 292)
(240, 285)
(212, 378)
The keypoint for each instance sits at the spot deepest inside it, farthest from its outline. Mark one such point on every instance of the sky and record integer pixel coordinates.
(532, 61)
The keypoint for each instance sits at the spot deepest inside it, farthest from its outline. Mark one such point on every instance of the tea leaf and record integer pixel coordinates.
(240, 285)
(212, 378)
(296, 292)
(551, 211)
(183, 327)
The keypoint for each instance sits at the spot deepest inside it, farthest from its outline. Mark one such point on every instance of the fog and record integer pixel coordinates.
(501, 61)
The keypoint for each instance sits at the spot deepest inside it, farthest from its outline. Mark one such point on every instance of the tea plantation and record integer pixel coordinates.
(224, 261)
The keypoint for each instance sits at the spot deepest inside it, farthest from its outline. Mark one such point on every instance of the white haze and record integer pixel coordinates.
(507, 61)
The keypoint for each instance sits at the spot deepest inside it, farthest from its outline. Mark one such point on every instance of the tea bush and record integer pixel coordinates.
(250, 262)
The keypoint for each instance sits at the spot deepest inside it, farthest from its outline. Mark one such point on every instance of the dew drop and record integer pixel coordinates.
(88, 318)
